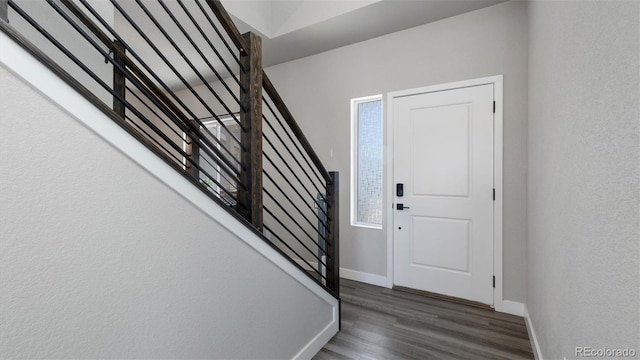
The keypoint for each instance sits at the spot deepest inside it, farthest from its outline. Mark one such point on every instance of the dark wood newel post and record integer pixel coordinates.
(193, 152)
(119, 79)
(333, 248)
(251, 120)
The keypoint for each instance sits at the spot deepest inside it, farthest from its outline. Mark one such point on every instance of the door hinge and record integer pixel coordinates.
(494, 282)
(494, 194)
(494, 107)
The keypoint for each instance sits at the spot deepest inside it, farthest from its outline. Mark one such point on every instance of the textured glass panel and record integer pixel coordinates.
(369, 163)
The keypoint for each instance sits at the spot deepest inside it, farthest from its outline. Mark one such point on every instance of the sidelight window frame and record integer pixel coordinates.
(355, 163)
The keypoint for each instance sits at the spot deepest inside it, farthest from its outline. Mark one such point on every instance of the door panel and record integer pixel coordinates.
(451, 236)
(443, 153)
(440, 151)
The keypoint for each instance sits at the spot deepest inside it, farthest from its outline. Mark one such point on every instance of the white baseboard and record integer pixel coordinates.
(364, 277)
(532, 335)
(320, 340)
(510, 307)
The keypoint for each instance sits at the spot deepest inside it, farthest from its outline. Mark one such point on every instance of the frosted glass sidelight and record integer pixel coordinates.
(369, 163)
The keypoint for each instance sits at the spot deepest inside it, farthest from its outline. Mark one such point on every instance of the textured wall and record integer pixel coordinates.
(99, 259)
(56, 25)
(486, 42)
(583, 204)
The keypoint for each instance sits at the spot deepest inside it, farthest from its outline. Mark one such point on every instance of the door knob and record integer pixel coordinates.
(401, 207)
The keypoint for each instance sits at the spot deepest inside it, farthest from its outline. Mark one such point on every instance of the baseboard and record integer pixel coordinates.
(510, 307)
(320, 340)
(532, 335)
(364, 277)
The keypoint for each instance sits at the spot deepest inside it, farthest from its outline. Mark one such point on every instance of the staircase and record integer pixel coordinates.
(182, 81)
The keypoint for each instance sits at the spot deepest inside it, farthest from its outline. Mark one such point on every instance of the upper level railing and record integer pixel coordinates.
(179, 77)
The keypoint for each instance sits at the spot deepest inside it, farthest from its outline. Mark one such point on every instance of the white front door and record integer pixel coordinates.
(443, 156)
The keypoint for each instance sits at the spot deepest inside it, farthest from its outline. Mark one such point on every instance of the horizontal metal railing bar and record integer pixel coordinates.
(241, 44)
(204, 58)
(264, 99)
(169, 153)
(195, 132)
(224, 41)
(191, 130)
(229, 26)
(295, 252)
(126, 126)
(153, 112)
(117, 52)
(221, 173)
(168, 63)
(73, 58)
(266, 156)
(228, 203)
(297, 132)
(186, 58)
(296, 206)
(292, 234)
(134, 80)
(206, 38)
(313, 182)
(224, 18)
(288, 167)
(79, 63)
(133, 65)
(180, 161)
(140, 75)
(294, 221)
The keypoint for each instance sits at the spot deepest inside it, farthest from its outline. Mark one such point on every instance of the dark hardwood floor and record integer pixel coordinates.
(380, 323)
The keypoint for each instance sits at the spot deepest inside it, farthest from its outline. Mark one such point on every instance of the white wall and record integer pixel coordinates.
(482, 43)
(57, 26)
(583, 204)
(100, 259)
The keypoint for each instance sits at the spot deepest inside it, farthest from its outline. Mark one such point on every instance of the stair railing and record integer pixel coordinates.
(180, 78)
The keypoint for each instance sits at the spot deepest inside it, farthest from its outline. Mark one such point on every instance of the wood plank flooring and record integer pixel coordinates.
(380, 323)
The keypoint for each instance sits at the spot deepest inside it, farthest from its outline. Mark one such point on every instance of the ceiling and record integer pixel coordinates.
(290, 29)
(294, 29)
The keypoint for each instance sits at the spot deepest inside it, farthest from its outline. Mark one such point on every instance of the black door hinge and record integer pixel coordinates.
(494, 107)
(494, 282)
(494, 194)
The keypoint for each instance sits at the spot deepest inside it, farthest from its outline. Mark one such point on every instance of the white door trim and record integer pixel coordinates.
(498, 300)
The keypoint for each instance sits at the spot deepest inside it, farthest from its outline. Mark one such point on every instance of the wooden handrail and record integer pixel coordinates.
(229, 26)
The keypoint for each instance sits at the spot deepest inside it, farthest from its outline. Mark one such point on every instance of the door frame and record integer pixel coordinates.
(496, 81)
